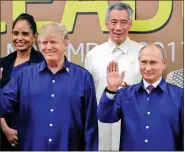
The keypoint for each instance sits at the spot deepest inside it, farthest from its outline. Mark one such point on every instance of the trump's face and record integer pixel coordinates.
(53, 47)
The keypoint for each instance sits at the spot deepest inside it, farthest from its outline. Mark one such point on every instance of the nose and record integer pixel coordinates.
(48, 46)
(148, 67)
(118, 26)
(19, 37)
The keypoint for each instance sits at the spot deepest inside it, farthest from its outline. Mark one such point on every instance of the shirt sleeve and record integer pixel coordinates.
(9, 95)
(109, 110)
(91, 122)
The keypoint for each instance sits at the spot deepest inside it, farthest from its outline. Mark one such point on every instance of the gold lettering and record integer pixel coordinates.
(20, 7)
(160, 18)
(74, 7)
(3, 27)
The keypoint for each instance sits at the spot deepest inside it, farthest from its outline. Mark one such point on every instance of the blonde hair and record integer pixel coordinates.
(53, 29)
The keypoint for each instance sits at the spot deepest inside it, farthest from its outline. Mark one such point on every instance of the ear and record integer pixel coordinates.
(165, 61)
(130, 26)
(106, 24)
(66, 46)
(35, 36)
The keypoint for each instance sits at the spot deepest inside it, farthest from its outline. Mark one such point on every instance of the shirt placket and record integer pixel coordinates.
(147, 124)
(52, 109)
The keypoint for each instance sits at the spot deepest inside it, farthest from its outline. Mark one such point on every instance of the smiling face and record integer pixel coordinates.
(152, 63)
(22, 36)
(118, 25)
(53, 47)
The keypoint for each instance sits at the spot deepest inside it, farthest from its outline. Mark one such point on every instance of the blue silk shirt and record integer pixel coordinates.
(56, 111)
(149, 122)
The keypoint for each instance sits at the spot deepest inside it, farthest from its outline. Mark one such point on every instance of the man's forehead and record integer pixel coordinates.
(50, 36)
(118, 18)
(150, 55)
(118, 14)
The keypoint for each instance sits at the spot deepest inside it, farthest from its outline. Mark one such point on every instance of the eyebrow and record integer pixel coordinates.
(22, 31)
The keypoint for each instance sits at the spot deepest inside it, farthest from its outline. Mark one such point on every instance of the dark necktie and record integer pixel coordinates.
(150, 88)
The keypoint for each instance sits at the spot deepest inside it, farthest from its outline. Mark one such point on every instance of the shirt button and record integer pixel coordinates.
(53, 81)
(51, 125)
(147, 127)
(51, 110)
(50, 140)
(52, 95)
(147, 99)
(146, 140)
(148, 113)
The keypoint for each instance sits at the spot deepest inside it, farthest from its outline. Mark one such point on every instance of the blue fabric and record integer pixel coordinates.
(149, 122)
(14, 119)
(57, 112)
(17, 68)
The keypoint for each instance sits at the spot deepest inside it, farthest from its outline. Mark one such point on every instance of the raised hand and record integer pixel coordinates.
(114, 80)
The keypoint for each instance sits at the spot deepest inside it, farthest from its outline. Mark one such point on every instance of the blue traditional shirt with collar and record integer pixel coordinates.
(56, 111)
(155, 84)
(148, 121)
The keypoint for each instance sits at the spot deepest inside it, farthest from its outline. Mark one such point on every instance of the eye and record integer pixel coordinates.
(25, 33)
(124, 22)
(153, 62)
(143, 62)
(15, 33)
(113, 22)
(54, 42)
(44, 43)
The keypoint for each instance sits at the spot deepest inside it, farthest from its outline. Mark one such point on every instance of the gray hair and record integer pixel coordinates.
(163, 51)
(51, 28)
(119, 6)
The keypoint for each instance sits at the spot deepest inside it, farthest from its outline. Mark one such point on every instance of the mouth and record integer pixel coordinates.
(118, 34)
(148, 74)
(20, 44)
(50, 53)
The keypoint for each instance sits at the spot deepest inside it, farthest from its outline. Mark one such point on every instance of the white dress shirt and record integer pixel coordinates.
(155, 84)
(96, 62)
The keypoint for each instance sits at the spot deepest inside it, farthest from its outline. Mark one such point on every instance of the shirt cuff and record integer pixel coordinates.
(110, 95)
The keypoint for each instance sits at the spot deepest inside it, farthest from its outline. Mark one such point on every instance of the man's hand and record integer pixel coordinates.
(124, 84)
(11, 135)
(114, 80)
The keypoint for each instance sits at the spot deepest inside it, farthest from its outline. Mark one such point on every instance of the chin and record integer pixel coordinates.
(148, 79)
(21, 49)
(50, 58)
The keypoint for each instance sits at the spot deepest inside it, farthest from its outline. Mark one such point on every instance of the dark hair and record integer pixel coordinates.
(119, 6)
(29, 19)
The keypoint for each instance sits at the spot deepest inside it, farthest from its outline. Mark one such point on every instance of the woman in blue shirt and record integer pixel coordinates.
(24, 34)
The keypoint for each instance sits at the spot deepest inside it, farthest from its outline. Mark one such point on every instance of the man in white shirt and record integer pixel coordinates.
(122, 50)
